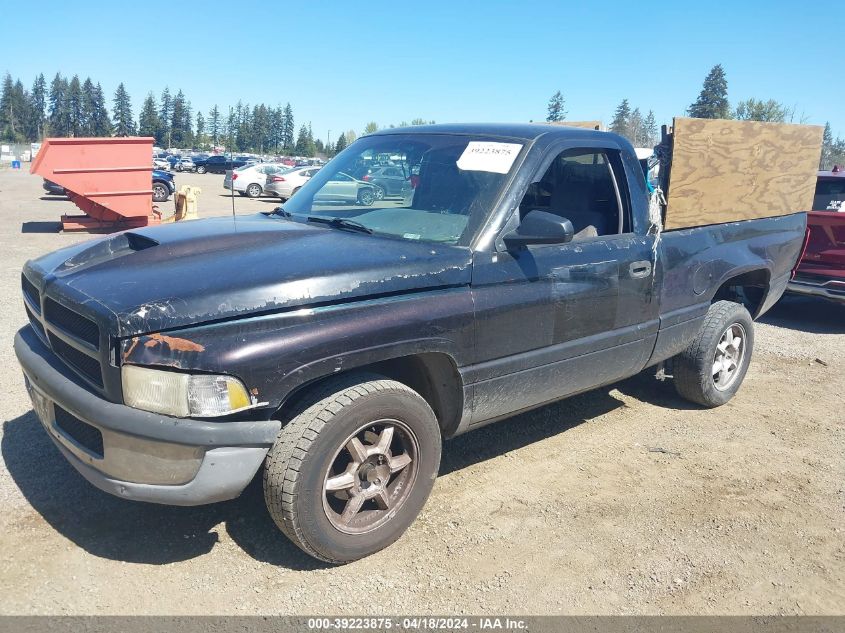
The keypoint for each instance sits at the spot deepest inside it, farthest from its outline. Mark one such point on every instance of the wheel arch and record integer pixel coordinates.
(749, 287)
(432, 374)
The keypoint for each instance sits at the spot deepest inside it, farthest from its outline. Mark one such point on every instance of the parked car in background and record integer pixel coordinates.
(162, 186)
(160, 163)
(390, 181)
(185, 163)
(250, 180)
(345, 189)
(821, 272)
(286, 183)
(52, 188)
(217, 164)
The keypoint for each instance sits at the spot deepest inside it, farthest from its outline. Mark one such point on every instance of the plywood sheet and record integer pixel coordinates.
(726, 171)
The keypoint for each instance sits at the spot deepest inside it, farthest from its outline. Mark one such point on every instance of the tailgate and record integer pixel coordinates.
(826, 246)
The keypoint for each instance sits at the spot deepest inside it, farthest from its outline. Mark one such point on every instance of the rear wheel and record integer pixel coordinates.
(253, 190)
(160, 192)
(711, 369)
(350, 472)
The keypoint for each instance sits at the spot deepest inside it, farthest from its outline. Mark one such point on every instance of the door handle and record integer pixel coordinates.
(639, 269)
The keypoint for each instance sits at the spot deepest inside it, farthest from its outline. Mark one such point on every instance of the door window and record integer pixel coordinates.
(581, 186)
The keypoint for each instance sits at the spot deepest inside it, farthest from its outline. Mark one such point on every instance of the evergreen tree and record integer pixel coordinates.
(7, 113)
(188, 124)
(76, 118)
(148, 121)
(301, 148)
(650, 130)
(58, 108)
(124, 125)
(827, 147)
(37, 109)
(88, 108)
(418, 121)
(372, 126)
(341, 144)
(201, 141)
(622, 119)
(214, 125)
(287, 129)
(100, 113)
(712, 102)
(556, 109)
(319, 147)
(165, 115)
(14, 110)
(177, 121)
(276, 128)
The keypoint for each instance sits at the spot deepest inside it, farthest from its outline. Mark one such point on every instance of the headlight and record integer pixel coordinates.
(182, 395)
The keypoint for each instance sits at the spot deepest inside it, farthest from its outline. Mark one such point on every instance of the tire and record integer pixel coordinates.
(292, 193)
(253, 190)
(201, 169)
(380, 193)
(160, 192)
(695, 375)
(306, 482)
(366, 196)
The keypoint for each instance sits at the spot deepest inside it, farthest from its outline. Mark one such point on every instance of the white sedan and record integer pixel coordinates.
(250, 180)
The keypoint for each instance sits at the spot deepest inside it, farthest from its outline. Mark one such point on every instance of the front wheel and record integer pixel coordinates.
(711, 369)
(350, 472)
(366, 197)
(201, 169)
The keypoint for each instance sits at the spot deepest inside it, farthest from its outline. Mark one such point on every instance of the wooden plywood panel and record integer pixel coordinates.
(725, 171)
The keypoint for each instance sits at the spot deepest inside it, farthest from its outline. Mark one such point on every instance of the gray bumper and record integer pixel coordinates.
(141, 455)
(825, 290)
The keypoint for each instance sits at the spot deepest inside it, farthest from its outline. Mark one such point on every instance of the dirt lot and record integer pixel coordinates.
(624, 500)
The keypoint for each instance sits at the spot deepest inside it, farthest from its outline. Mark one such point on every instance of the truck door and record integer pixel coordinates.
(553, 320)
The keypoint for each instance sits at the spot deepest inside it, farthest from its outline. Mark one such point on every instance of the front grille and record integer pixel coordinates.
(72, 322)
(31, 292)
(80, 361)
(34, 322)
(87, 436)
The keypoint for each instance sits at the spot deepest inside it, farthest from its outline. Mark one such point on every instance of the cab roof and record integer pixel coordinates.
(520, 131)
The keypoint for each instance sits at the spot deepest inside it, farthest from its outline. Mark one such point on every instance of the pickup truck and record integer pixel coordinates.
(218, 164)
(333, 347)
(821, 272)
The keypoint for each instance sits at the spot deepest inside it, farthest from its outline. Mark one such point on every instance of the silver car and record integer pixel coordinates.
(344, 188)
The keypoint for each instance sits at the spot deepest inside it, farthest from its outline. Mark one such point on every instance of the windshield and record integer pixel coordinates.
(429, 187)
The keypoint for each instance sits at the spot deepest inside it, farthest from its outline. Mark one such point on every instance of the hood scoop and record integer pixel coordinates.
(107, 250)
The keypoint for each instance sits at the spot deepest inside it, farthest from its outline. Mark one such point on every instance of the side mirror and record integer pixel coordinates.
(540, 227)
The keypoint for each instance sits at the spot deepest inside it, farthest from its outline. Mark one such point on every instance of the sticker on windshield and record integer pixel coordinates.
(488, 156)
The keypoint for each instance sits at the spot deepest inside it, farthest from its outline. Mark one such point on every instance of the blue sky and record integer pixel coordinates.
(341, 65)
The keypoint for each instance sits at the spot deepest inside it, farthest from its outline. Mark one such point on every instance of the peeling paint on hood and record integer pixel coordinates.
(182, 274)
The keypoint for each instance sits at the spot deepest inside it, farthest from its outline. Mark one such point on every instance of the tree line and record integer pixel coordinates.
(711, 103)
(74, 108)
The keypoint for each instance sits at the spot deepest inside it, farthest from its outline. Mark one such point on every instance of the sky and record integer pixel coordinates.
(343, 64)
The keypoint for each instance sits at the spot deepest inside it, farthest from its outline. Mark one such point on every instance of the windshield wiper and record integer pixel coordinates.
(341, 223)
(281, 211)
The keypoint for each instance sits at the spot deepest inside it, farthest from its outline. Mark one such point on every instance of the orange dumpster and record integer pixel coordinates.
(110, 179)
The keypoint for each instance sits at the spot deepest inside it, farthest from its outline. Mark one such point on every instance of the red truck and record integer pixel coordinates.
(821, 272)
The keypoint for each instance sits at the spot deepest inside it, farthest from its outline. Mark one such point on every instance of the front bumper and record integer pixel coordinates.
(137, 454)
(832, 290)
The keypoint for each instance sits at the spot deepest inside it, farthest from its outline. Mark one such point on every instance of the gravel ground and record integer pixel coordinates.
(624, 500)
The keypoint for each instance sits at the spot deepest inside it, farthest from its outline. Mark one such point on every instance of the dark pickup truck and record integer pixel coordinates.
(218, 164)
(334, 346)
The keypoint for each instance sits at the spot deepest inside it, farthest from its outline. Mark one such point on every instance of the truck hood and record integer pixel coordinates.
(176, 275)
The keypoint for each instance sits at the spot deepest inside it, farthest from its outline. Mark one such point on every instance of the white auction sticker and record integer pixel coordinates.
(489, 156)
